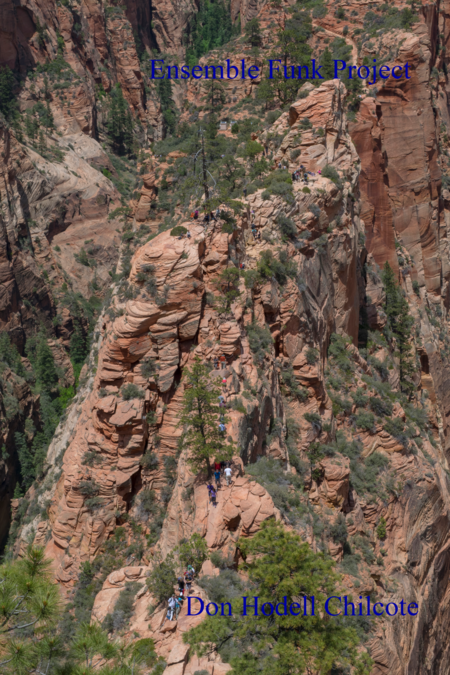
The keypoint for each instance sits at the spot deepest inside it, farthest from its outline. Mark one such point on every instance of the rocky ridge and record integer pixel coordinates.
(386, 204)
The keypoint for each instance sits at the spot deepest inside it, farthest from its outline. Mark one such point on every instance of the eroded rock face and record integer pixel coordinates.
(395, 136)
(391, 161)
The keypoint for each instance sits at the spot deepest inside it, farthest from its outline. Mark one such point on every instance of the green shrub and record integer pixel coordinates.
(218, 560)
(123, 609)
(193, 552)
(287, 226)
(152, 418)
(330, 172)
(338, 530)
(269, 473)
(365, 420)
(223, 588)
(314, 419)
(280, 268)
(349, 564)
(339, 355)
(148, 368)
(149, 461)
(359, 398)
(260, 340)
(380, 406)
(92, 458)
(365, 548)
(312, 356)
(381, 529)
(162, 579)
(178, 231)
(290, 382)
(130, 391)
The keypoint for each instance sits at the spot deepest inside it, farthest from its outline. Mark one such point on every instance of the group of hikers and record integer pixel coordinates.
(220, 362)
(208, 217)
(256, 233)
(302, 174)
(176, 600)
(220, 468)
(175, 603)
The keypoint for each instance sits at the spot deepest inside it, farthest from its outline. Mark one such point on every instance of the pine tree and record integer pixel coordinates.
(119, 124)
(45, 369)
(168, 108)
(279, 565)
(200, 417)
(8, 106)
(400, 322)
(78, 347)
(214, 94)
(327, 65)
(31, 642)
(293, 50)
(253, 32)
(228, 286)
(26, 460)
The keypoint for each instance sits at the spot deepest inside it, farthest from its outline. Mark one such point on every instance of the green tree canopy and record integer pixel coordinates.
(30, 638)
(214, 94)
(253, 32)
(280, 565)
(209, 28)
(119, 124)
(8, 105)
(200, 417)
(399, 325)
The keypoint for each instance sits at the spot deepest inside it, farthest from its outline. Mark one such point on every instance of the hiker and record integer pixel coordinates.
(216, 466)
(228, 473)
(212, 216)
(178, 607)
(213, 497)
(189, 577)
(222, 466)
(180, 584)
(217, 477)
(188, 235)
(245, 193)
(217, 212)
(222, 428)
(196, 214)
(223, 361)
(216, 363)
(221, 402)
(224, 383)
(206, 218)
(171, 607)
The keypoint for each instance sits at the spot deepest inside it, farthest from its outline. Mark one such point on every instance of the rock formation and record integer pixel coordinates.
(333, 439)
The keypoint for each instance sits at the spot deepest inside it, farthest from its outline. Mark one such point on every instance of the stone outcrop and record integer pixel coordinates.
(380, 200)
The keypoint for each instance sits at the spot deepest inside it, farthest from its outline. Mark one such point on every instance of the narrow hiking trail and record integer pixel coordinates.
(347, 39)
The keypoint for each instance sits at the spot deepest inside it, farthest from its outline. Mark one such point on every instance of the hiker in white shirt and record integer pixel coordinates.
(172, 605)
(227, 473)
